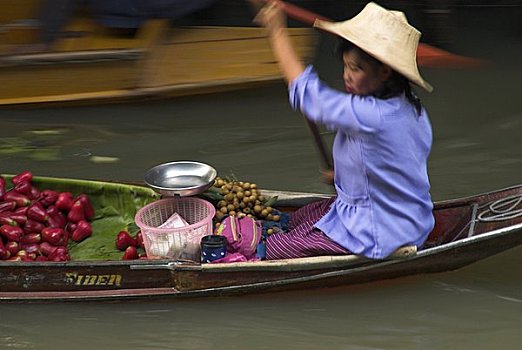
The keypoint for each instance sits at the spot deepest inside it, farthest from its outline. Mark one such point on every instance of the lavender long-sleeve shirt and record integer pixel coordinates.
(380, 154)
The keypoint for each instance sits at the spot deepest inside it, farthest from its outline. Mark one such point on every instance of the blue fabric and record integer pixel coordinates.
(276, 226)
(380, 157)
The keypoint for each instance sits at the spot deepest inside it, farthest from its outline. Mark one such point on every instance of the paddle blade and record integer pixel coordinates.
(432, 57)
(427, 55)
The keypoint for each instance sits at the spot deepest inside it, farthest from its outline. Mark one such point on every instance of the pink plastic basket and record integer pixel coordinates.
(175, 243)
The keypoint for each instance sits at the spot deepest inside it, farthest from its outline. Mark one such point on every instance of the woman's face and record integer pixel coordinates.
(362, 77)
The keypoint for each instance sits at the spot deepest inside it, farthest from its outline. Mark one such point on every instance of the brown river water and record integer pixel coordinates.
(253, 135)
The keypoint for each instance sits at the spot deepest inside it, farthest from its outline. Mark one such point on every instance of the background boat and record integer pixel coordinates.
(161, 59)
(214, 49)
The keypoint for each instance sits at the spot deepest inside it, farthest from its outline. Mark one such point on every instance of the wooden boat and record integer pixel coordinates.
(160, 61)
(467, 230)
(92, 65)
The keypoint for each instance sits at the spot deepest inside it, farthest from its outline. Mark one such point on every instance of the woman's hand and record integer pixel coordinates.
(273, 18)
(270, 15)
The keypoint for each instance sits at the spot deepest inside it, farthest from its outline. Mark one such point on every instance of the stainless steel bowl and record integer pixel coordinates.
(181, 178)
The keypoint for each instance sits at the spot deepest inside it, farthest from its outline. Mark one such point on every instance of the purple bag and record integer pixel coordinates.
(243, 234)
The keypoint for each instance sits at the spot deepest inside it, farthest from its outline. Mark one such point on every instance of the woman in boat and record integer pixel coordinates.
(382, 143)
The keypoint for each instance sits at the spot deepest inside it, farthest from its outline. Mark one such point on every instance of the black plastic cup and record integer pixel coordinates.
(213, 247)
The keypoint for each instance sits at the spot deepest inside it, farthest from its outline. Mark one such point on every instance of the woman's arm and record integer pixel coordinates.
(273, 19)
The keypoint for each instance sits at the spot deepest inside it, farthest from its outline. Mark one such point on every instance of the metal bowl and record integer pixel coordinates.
(181, 178)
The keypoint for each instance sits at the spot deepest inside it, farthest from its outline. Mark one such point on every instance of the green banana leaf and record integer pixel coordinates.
(115, 206)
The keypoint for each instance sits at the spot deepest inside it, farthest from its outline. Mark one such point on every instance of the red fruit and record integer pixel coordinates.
(66, 237)
(31, 238)
(32, 226)
(37, 212)
(61, 250)
(25, 176)
(52, 209)
(64, 201)
(33, 248)
(20, 199)
(125, 240)
(88, 209)
(11, 233)
(71, 226)
(30, 257)
(76, 213)
(48, 197)
(22, 254)
(34, 193)
(139, 240)
(131, 253)
(23, 187)
(5, 219)
(15, 258)
(21, 210)
(56, 219)
(19, 218)
(12, 247)
(41, 258)
(2, 188)
(7, 206)
(59, 254)
(53, 235)
(4, 252)
(82, 231)
(59, 257)
(47, 248)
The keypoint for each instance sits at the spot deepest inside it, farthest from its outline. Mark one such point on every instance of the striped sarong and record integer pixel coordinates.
(302, 238)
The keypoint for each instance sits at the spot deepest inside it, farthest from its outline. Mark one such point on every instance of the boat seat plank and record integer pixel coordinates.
(299, 264)
(221, 60)
(473, 219)
(71, 57)
(179, 35)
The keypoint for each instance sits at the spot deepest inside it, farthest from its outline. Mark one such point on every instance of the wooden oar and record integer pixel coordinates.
(325, 155)
(427, 55)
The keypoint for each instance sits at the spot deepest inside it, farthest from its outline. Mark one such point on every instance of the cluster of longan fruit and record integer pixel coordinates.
(242, 198)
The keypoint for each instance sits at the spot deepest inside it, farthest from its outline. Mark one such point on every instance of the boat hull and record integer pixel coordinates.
(22, 282)
(459, 238)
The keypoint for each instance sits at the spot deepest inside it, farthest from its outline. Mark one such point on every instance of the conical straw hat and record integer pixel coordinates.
(385, 35)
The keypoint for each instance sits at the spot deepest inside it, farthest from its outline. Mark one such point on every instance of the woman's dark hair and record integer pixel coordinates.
(395, 85)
